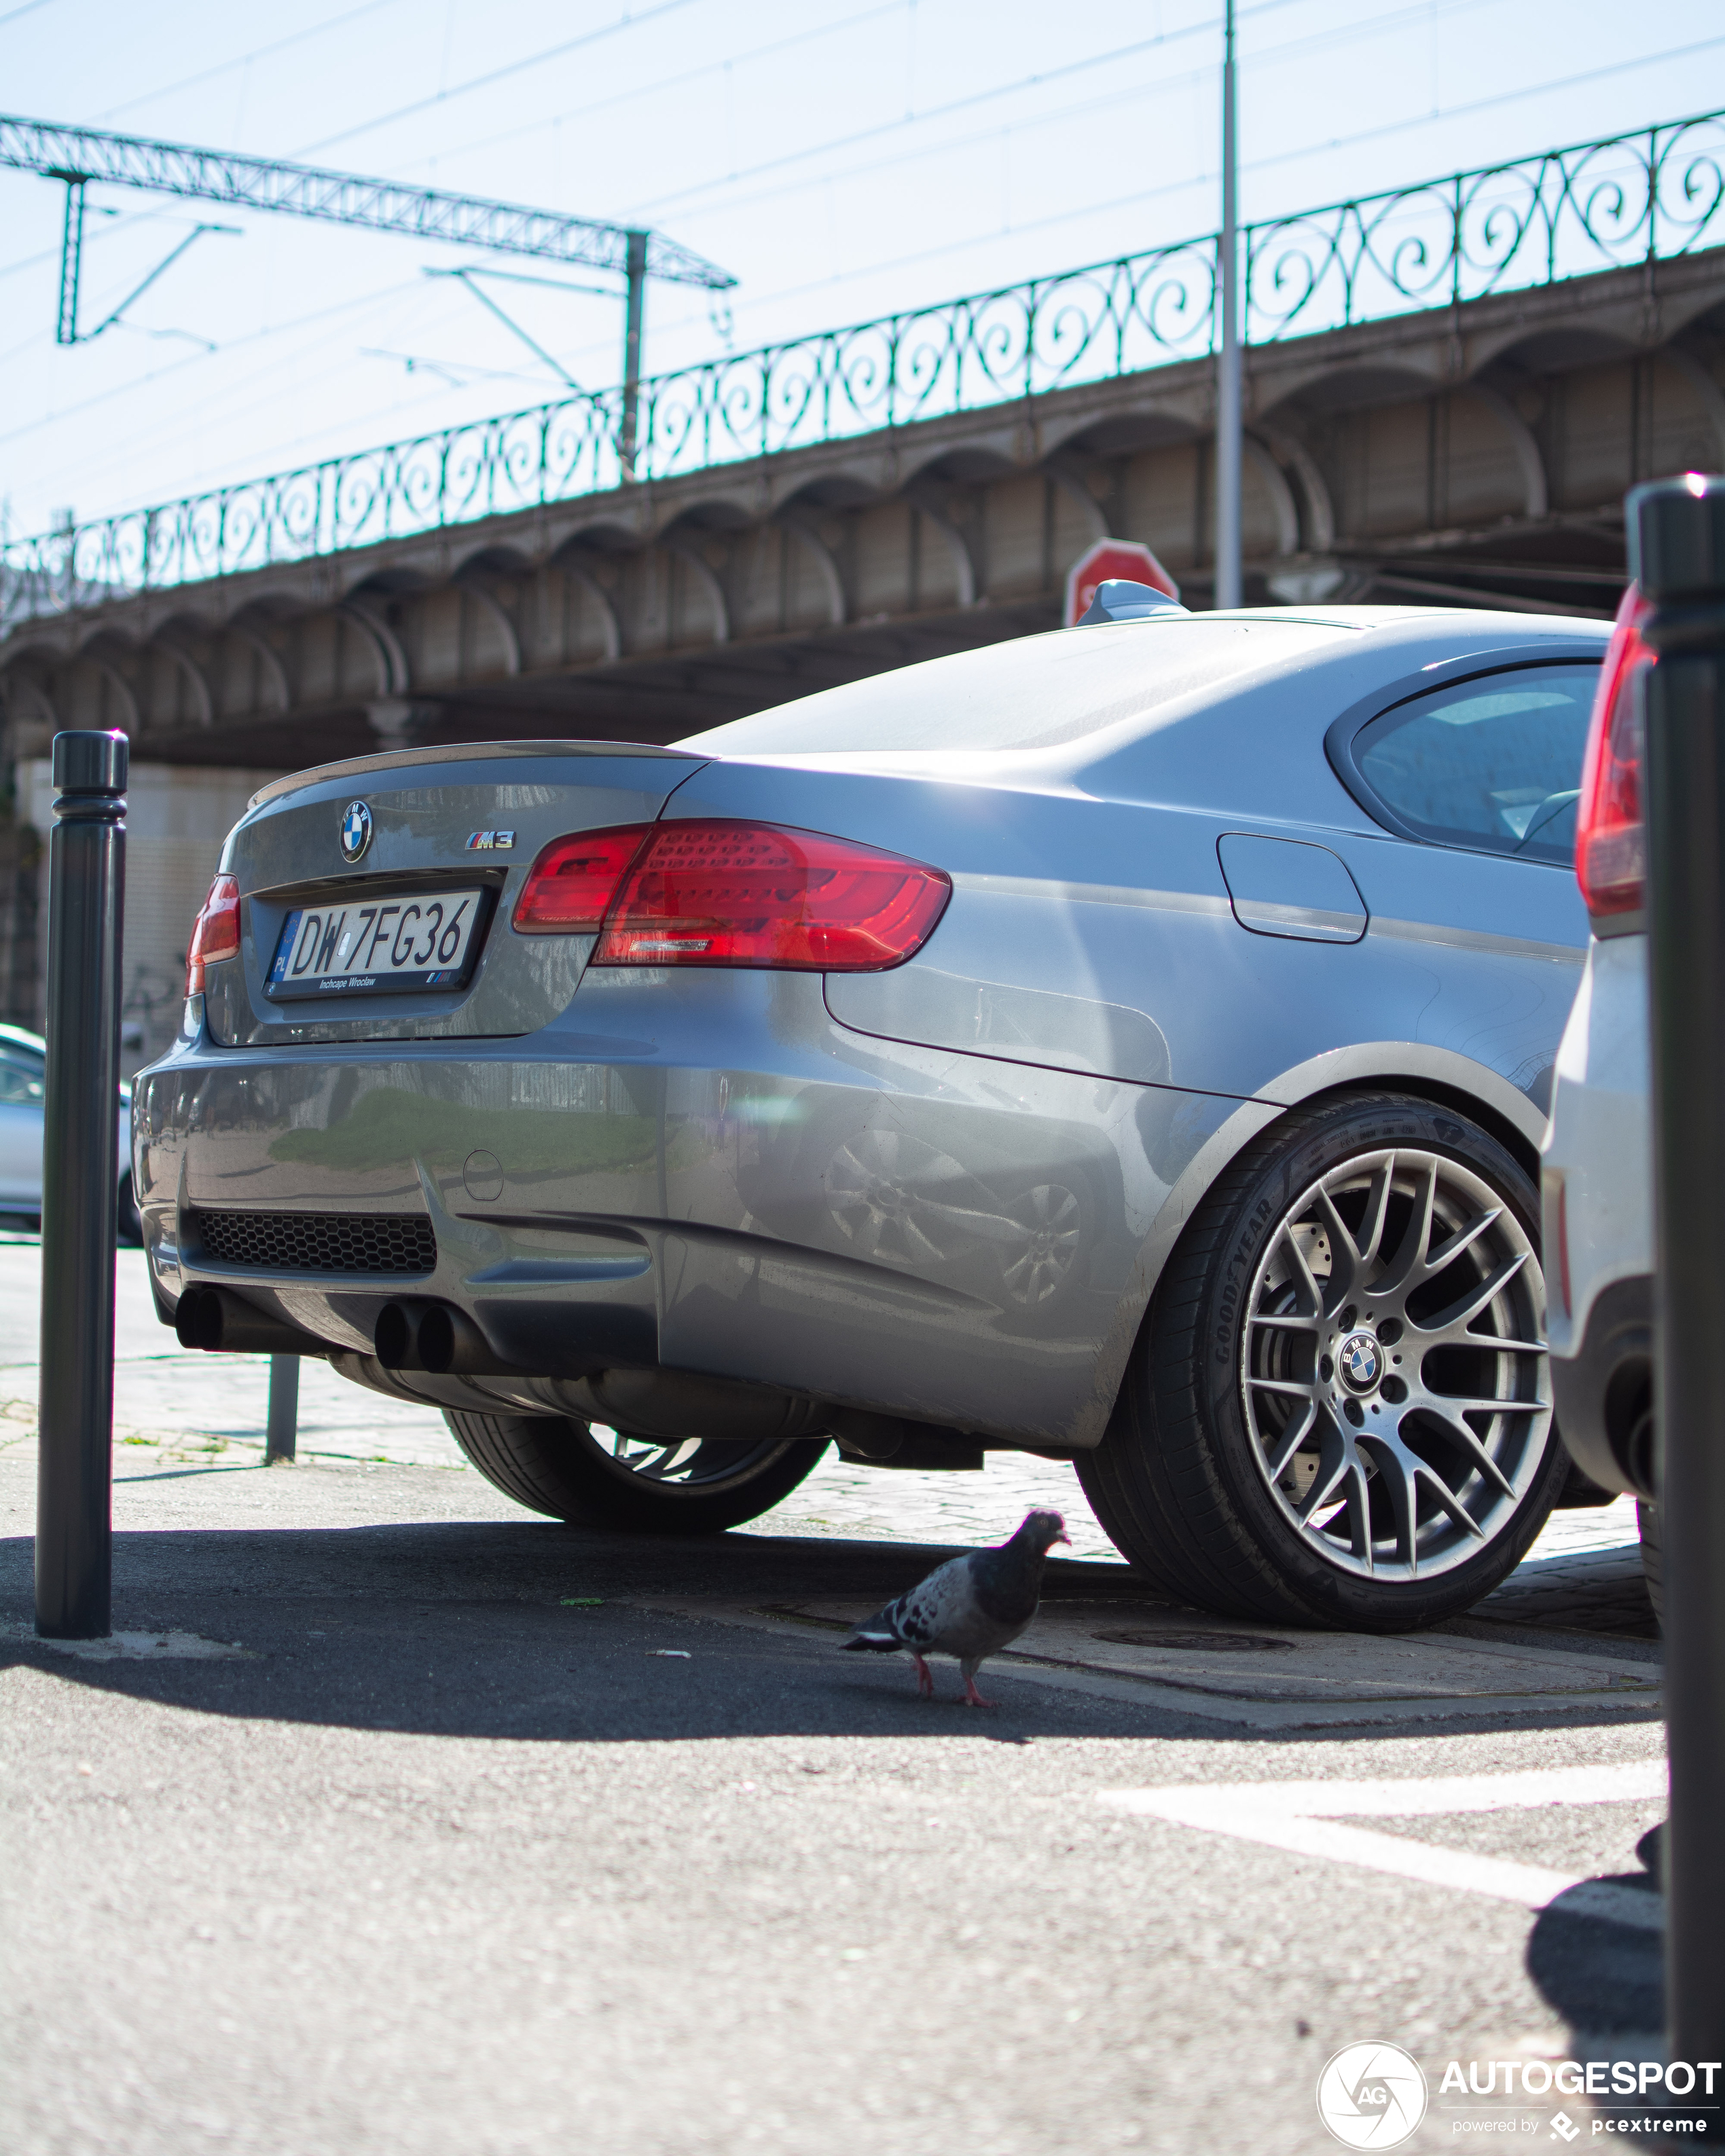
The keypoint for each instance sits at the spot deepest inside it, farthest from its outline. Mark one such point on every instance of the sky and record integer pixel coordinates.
(843, 159)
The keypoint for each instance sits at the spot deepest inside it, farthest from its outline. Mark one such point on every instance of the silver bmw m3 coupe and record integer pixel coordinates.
(1128, 1045)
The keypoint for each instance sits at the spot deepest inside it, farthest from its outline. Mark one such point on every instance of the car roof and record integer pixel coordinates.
(1058, 700)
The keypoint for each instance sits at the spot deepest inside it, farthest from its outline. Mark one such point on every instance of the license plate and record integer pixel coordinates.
(376, 946)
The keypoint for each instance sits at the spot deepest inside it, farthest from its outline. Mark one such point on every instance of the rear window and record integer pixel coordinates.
(1493, 763)
(1031, 692)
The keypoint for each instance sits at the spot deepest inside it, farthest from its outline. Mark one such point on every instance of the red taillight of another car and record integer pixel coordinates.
(1610, 837)
(215, 933)
(730, 893)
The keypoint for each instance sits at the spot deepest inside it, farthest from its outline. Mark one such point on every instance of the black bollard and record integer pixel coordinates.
(86, 865)
(1678, 556)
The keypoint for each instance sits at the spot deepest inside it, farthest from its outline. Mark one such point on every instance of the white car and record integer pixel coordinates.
(23, 1061)
(1598, 1165)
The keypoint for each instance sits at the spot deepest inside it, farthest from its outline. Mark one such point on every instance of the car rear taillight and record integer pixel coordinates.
(736, 894)
(574, 879)
(1610, 838)
(215, 933)
(721, 893)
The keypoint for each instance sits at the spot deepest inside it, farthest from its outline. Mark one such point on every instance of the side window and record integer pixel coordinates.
(1492, 763)
(20, 1079)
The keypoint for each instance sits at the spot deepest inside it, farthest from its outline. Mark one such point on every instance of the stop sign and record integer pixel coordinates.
(1113, 557)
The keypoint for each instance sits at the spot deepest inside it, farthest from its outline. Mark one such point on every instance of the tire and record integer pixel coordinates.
(128, 1228)
(1288, 1350)
(555, 1464)
(1651, 1522)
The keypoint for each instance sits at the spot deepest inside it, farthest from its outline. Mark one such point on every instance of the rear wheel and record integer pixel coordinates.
(1338, 1411)
(594, 1477)
(1651, 1522)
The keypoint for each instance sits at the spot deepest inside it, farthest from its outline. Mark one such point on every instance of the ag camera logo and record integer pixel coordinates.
(1372, 2096)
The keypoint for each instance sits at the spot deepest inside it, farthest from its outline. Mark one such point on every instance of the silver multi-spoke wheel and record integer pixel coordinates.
(682, 1463)
(596, 1477)
(1391, 1365)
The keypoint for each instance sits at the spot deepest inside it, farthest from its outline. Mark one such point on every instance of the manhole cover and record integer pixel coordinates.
(1201, 1643)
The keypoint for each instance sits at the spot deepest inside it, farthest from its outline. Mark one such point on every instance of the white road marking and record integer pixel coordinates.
(1308, 1818)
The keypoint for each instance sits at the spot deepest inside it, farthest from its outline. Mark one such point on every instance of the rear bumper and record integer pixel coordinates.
(715, 1178)
(1597, 1178)
(1598, 1158)
(1604, 1392)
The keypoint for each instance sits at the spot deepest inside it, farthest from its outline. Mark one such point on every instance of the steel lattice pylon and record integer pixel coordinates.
(81, 154)
(78, 155)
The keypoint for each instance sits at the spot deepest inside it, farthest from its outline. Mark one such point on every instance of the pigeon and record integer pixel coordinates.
(971, 1608)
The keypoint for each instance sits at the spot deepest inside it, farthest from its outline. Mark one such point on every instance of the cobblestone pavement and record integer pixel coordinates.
(187, 1412)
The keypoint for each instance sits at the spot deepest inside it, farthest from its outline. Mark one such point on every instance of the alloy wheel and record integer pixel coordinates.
(1391, 1365)
(688, 1464)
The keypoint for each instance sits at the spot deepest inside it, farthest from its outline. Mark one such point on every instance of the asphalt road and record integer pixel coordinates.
(434, 1827)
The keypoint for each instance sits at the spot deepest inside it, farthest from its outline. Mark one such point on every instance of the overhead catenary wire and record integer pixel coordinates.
(240, 59)
(1399, 127)
(1207, 176)
(659, 85)
(499, 74)
(283, 446)
(516, 134)
(1186, 181)
(1314, 42)
(281, 333)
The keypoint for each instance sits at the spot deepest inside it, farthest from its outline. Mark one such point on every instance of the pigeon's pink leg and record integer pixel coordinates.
(972, 1697)
(925, 1679)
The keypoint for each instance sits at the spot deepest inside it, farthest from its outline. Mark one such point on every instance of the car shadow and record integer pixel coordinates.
(532, 1631)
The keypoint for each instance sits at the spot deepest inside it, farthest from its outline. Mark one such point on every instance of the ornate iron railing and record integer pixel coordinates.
(1654, 194)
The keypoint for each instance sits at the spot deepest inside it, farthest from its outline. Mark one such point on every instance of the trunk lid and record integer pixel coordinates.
(428, 815)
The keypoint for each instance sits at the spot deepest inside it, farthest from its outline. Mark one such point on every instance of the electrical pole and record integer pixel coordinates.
(635, 301)
(71, 257)
(1227, 380)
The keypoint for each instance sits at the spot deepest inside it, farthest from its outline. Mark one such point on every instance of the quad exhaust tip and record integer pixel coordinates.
(415, 1335)
(219, 1322)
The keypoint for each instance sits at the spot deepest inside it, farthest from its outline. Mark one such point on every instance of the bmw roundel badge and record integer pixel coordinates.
(1361, 1362)
(356, 830)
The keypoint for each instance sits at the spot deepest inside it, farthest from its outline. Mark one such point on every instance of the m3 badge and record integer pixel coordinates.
(489, 842)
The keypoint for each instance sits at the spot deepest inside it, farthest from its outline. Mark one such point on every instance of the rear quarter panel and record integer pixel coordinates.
(1097, 934)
